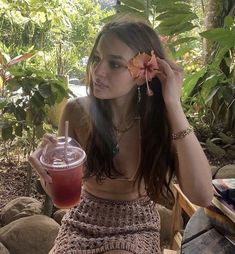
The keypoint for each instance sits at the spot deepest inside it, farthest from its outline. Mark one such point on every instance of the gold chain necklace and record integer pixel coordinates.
(120, 134)
(127, 128)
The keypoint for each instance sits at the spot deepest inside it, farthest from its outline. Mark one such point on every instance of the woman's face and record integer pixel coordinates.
(110, 76)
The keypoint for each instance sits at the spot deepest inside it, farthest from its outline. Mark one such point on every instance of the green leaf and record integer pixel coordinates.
(207, 86)
(191, 81)
(3, 102)
(3, 124)
(227, 93)
(219, 57)
(59, 92)
(29, 117)
(19, 130)
(175, 29)
(39, 131)
(178, 19)
(45, 90)
(123, 9)
(20, 114)
(183, 40)
(37, 100)
(213, 93)
(221, 35)
(173, 7)
(4, 58)
(7, 133)
(228, 21)
(137, 4)
(181, 52)
(13, 85)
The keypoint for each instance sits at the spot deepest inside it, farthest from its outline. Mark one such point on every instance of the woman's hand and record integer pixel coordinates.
(171, 77)
(35, 156)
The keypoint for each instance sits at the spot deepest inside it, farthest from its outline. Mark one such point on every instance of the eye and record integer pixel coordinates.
(114, 65)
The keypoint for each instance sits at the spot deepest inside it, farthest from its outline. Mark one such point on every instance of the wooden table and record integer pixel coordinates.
(200, 237)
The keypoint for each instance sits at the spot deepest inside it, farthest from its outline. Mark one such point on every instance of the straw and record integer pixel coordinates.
(66, 139)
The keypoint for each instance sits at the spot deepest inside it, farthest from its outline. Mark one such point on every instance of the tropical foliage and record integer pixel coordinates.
(209, 84)
(59, 35)
(41, 41)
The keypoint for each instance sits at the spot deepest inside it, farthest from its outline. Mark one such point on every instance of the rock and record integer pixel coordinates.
(59, 214)
(3, 249)
(213, 170)
(20, 207)
(215, 150)
(231, 153)
(33, 234)
(166, 223)
(227, 171)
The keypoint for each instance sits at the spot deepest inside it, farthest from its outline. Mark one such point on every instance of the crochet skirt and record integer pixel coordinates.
(98, 225)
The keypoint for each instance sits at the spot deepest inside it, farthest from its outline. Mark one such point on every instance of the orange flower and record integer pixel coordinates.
(144, 67)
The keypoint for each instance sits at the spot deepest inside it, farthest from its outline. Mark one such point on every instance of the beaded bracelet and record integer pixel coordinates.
(183, 133)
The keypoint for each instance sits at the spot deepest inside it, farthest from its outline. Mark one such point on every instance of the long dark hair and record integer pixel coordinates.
(157, 163)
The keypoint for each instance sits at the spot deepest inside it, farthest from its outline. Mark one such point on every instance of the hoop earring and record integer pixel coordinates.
(139, 94)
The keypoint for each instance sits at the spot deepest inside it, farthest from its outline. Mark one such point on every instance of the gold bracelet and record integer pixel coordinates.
(183, 133)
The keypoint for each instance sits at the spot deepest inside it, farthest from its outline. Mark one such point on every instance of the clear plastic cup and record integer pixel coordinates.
(66, 171)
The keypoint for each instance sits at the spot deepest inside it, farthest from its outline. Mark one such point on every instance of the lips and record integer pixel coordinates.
(99, 84)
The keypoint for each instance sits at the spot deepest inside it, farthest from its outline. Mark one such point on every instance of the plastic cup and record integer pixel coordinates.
(66, 171)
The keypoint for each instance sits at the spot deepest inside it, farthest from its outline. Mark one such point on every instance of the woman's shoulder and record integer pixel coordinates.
(76, 111)
(78, 105)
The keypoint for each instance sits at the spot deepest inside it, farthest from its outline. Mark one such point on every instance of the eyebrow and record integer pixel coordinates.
(113, 56)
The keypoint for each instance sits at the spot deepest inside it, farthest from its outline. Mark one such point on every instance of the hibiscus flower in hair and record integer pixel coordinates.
(144, 67)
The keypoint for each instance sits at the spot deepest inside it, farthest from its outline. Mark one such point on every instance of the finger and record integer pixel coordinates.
(49, 138)
(35, 163)
(169, 66)
(174, 66)
(162, 77)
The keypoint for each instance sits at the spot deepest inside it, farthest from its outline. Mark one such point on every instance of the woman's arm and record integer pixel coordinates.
(45, 178)
(194, 173)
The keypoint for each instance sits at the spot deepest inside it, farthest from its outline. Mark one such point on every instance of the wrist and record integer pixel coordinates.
(174, 108)
(173, 104)
(177, 118)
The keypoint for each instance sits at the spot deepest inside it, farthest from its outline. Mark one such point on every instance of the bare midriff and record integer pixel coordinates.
(114, 189)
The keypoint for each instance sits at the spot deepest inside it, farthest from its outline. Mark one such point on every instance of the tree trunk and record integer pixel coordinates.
(214, 11)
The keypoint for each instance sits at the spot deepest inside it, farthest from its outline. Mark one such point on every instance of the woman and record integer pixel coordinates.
(136, 136)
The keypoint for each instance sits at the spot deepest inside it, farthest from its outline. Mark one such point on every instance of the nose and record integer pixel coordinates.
(100, 69)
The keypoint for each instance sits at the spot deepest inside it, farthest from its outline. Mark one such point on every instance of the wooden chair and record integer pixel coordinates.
(181, 203)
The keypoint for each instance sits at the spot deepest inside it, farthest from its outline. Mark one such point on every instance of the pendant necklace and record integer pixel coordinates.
(120, 133)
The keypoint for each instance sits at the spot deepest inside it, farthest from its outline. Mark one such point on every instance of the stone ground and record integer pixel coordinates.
(13, 178)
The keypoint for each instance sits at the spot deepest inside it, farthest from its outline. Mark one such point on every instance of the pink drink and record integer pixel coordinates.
(66, 173)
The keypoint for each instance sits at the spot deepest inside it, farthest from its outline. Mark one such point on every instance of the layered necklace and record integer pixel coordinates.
(120, 133)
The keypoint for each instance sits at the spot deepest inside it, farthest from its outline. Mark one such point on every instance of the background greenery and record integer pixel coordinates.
(43, 41)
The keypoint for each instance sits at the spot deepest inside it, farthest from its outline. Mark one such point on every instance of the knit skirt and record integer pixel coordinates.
(98, 225)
